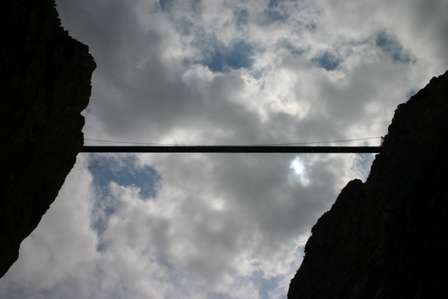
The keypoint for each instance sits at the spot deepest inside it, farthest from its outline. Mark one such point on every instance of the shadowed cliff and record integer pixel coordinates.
(45, 77)
(386, 238)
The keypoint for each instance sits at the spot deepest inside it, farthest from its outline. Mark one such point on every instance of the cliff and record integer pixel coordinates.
(45, 77)
(386, 238)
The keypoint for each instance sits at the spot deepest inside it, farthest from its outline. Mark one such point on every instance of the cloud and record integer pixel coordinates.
(191, 240)
(111, 172)
(186, 102)
(59, 248)
(220, 72)
(124, 172)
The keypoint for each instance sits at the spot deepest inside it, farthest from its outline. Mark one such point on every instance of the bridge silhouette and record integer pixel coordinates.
(229, 149)
(297, 147)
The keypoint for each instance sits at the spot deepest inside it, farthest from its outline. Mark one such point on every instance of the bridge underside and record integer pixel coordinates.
(232, 149)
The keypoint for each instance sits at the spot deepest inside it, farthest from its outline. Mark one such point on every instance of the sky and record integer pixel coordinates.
(220, 226)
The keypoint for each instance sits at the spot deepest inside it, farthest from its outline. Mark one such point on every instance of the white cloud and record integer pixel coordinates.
(222, 226)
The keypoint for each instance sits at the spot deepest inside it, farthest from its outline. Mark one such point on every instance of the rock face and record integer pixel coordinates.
(45, 84)
(386, 238)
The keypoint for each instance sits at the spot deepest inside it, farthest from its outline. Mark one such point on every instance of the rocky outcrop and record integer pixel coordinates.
(45, 84)
(386, 238)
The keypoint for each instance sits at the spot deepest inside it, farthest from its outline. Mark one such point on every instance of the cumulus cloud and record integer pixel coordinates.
(208, 233)
(220, 72)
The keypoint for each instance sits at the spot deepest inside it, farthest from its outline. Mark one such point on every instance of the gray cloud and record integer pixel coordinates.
(221, 226)
(144, 90)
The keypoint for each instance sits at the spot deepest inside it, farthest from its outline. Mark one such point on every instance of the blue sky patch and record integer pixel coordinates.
(265, 284)
(292, 48)
(275, 12)
(258, 279)
(327, 60)
(411, 93)
(125, 172)
(166, 4)
(241, 17)
(362, 164)
(219, 57)
(391, 46)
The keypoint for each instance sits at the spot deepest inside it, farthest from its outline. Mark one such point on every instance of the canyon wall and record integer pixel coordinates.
(386, 238)
(45, 84)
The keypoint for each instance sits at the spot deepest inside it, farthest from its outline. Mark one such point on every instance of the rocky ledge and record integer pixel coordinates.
(386, 238)
(45, 77)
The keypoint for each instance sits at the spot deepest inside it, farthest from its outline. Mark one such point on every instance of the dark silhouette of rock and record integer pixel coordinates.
(45, 84)
(386, 238)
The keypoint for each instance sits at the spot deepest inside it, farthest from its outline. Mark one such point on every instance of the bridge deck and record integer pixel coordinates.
(231, 149)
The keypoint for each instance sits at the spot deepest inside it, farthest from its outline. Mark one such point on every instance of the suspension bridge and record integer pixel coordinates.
(117, 146)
